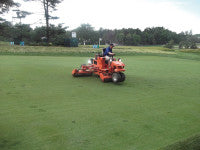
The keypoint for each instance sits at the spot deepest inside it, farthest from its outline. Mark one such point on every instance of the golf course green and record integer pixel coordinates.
(43, 107)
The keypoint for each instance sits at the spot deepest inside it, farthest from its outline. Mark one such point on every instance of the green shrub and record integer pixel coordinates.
(187, 45)
(193, 45)
(170, 45)
(59, 40)
(181, 45)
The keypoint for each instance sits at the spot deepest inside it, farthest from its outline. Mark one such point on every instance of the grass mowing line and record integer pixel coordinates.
(181, 55)
(5, 48)
(192, 143)
(88, 51)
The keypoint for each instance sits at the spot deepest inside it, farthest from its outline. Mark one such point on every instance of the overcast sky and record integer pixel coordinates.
(175, 15)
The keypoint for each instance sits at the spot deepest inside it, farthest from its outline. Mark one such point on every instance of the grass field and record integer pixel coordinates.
(43, 107)
(87, 50)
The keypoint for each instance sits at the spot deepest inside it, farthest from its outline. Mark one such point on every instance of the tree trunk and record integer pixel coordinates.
(46, 9)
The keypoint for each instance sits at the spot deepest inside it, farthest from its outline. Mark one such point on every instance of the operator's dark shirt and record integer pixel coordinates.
(108, 49)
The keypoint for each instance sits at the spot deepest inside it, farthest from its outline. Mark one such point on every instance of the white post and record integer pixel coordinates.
(100, 41)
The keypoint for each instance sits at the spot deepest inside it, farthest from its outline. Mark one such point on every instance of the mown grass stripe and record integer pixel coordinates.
(191, 143)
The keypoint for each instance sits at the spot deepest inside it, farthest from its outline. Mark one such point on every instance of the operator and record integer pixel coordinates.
(108, 52)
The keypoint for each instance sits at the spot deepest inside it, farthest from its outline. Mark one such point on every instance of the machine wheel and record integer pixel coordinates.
(116, 77)
(122, 76)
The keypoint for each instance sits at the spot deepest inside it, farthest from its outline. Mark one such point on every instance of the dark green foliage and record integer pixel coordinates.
(39, 34)
(187, 44)
(136, 39)
(109, 36)
(22, 33)
(19, 32)
(193, 45)
(5, 31)
(158, 35)
(59, 40)
(128, 36)
(87, 35)
(6, 4)
(58, 35)
(189, 41)
(150, 36)
(22, 14)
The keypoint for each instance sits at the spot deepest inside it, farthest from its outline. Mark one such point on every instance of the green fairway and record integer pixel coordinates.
(43, 107)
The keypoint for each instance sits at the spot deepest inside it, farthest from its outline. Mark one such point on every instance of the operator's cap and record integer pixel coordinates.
(112, 45)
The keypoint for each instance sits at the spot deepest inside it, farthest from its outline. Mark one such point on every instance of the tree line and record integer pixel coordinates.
(86, 34)
(48, 7)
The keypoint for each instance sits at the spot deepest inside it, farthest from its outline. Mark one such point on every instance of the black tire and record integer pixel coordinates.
(116, 77)
(123, 77)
